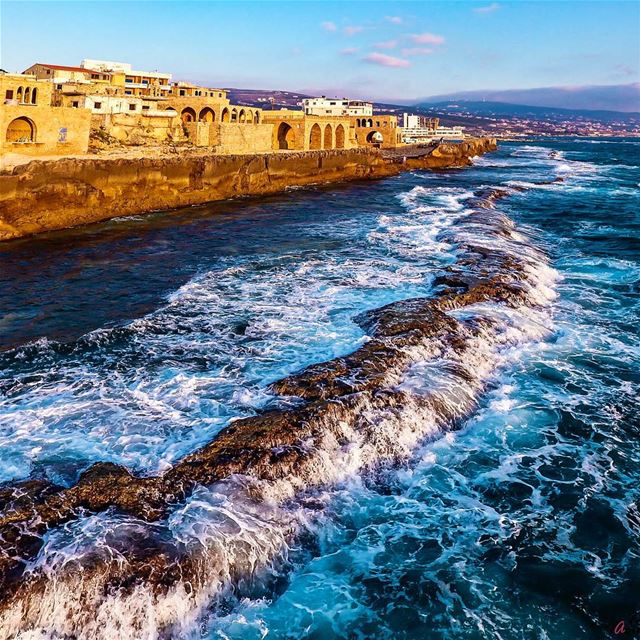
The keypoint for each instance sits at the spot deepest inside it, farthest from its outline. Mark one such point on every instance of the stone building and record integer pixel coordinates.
(30, 125)
(294, 130)
(377, 131)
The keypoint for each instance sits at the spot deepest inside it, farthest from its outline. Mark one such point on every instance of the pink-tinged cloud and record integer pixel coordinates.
(427, 38)
(416, 51)
(329, 26)
(351, 31)
(490, 8)
(349, 51)
(394, 19)
(384, 60)
(387, 44)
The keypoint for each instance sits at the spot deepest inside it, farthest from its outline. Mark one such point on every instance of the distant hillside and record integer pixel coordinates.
(617, 97)
(266, 99)
(477, 117)
(503, 109)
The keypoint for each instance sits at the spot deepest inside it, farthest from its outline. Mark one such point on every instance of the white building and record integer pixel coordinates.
(133, 79)
(421, 135)
(324, 106)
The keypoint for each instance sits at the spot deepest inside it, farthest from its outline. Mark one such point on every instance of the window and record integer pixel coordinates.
(128, 92)
(9, 94)
(95, 76)
(132, 107)
(128, 79)
(75, 104)
(182, 92)
(97, 105)
(145, 107)
(48, 72)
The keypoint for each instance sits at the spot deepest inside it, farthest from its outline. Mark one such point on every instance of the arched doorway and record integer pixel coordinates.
(339, 137)
(375, 138)
(21, 130)
(34, 95)
(315, 139)
(370, 123)
(188, 115)
(207, 115)
(19, 94)
(225, 115)
(250, 117)
(328, 137)
(257, 118)
(242, 116)
(286, 136)
(234, 116)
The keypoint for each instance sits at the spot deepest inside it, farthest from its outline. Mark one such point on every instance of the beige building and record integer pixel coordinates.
(58, 73)
(29, 125)
(294, 130)
(377, 131)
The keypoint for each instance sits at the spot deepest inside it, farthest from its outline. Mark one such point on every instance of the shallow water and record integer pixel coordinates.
(137, 340)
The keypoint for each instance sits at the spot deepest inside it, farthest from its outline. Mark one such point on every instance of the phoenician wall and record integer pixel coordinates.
(58, 194)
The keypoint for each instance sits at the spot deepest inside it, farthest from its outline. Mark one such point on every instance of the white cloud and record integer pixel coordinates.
(490, 8)
(394, 19)
(386, 61)
(351, 30)
(427, 38)
(329, 26)
(387, 44)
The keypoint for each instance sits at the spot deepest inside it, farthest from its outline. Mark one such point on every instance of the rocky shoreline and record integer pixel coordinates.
(351, 410)
(59, 194)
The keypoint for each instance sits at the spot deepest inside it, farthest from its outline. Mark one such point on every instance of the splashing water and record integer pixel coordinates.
(524, 524)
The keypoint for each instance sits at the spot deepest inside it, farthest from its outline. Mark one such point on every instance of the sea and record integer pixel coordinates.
(135, 341)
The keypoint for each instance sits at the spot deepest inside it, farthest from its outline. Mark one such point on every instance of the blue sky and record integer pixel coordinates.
(391, 50)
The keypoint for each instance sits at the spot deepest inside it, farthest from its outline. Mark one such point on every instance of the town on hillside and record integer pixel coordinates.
(57, 110)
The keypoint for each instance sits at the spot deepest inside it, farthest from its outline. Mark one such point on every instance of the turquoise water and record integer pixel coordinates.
(137, 340)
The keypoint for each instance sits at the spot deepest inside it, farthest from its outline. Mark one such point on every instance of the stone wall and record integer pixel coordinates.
(248, 138)
(55, 130)
(46, 195)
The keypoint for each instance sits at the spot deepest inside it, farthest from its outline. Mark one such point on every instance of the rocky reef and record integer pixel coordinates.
(58, 194)
(335, 418)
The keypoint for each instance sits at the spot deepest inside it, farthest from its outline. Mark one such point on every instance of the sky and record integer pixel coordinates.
(380, 50)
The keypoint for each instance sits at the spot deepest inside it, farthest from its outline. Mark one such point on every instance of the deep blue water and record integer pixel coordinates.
(136, 340)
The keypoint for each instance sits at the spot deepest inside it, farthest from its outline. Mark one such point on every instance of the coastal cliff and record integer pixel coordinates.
(58, 194)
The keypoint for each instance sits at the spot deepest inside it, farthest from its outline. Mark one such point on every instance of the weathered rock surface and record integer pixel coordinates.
(58, 194)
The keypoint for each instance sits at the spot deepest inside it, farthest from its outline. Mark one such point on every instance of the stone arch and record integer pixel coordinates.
(256, 118)
(315, 138)
(328, 137)
(34, 95)
(339, 137)
(21, 130)
(19, 94)
(372, 135)
(242, 116)
(188, 115)
(234, 115)
(370, 123)
(249, 116)
(207, 115)
(225, 115)
(285, 136)
(27, 95)
(358, 122)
